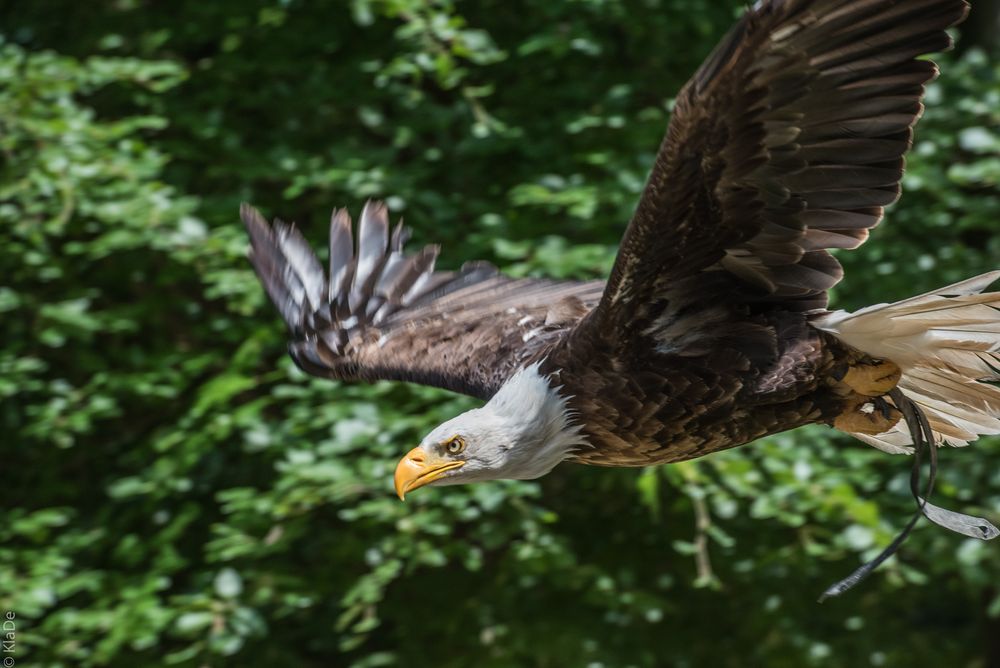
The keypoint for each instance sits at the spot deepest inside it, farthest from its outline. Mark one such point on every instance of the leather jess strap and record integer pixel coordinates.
(967, 525)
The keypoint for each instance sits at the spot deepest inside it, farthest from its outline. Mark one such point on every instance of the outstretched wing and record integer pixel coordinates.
(382, 314)
(787, 142)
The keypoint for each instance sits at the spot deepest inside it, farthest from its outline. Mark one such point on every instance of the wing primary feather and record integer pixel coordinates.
(341, 254)
(302, 262)
(373, 239)
(282, 283)
(400, 235)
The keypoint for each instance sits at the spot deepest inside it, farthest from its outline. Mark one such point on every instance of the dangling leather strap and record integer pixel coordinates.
(967, 525)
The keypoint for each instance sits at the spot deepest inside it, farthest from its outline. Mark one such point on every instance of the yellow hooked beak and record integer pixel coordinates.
(419, 468)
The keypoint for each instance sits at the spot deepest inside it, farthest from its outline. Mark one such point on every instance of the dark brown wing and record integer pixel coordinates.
(788, 141)
(381, 314)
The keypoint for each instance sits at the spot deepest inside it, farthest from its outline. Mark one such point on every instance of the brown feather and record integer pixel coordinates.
(388, 315)
(802, 113)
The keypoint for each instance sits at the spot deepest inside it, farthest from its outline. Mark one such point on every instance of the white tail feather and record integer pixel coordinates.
(947, 343)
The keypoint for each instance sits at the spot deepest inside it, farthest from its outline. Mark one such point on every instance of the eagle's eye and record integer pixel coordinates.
(455, 445)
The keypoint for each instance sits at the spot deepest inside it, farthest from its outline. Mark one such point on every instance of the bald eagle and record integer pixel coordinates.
(712, 329)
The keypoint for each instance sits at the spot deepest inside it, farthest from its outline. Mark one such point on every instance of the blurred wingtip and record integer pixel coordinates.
(251, 217)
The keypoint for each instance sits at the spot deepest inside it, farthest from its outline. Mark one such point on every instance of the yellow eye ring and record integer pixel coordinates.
(455, 446)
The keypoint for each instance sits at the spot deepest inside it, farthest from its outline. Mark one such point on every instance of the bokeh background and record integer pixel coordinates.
(174, 492)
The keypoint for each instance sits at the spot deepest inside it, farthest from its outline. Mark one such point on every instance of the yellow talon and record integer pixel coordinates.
(861, 415)
(872, 380)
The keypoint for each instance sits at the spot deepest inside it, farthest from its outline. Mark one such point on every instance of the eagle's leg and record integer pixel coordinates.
(866, 415)
(872, 378)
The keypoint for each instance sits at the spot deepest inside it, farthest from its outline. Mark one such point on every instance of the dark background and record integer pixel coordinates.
(174, 492)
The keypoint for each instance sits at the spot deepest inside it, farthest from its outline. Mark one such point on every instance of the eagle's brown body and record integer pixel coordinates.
(712, 328)
(678, 407)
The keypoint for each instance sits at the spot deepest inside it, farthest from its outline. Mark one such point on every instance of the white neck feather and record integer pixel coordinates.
(539, 421)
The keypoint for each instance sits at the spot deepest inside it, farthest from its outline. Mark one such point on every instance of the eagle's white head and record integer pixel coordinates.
(521, 433)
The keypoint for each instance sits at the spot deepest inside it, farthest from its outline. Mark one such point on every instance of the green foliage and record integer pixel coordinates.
(176, 492)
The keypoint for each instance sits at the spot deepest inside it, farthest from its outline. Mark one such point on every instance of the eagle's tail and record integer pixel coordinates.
(947, 344)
